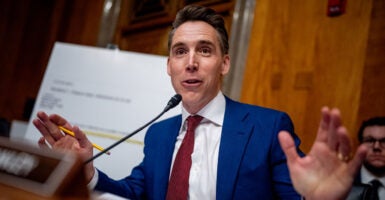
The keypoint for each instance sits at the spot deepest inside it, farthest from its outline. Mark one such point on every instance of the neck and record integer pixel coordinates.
(193, 107)
(376, 171)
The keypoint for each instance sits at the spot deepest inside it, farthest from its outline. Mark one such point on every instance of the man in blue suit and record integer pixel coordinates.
(236, 154)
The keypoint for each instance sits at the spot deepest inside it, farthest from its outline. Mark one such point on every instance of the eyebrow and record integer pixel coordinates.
(177, 45)
(371, 137)
(206, 42)
(200, 42)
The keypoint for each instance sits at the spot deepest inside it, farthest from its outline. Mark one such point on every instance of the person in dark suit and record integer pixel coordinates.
(370, 180)
(236, 154)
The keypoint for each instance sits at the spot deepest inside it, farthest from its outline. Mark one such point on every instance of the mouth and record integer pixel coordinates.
(192, 82)
(376, 157)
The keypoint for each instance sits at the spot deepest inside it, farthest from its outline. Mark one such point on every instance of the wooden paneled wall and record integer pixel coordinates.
(145, 29)
(372, 98)
(28, 30)
(300, 59)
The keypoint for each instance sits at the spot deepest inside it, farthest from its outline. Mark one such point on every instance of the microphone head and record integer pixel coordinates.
(174, 101)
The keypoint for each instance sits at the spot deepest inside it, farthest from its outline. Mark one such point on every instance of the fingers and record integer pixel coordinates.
(288, 146)
(332, 133)
(344, 144)
(48, 126)
(57, 119)
(85, 144)
(334, 125)
(82, 138)
(357, 160)
(67, 143)
(42, 143)
(330, 130)
(44, 131)
(338, 138)
(322, 134)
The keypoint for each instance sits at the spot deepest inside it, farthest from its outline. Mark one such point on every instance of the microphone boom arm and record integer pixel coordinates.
(174, 101)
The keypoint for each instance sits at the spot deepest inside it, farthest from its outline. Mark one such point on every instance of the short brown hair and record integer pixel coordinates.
(205, 14)
(374, 121)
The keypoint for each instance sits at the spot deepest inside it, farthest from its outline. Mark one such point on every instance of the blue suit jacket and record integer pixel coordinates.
(251, 163)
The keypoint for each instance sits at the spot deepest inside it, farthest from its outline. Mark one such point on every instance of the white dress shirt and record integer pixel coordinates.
(203, 172)
(366, 177)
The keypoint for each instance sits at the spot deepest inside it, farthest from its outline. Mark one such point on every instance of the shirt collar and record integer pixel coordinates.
(366, 176)
(214, 111)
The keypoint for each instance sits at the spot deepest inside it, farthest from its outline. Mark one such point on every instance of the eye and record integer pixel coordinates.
(369, 140)
(205, 51)
(180, 51)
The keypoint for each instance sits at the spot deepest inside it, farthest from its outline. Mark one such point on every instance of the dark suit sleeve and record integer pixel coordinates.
(149, 179)
(129, 187)
(280, 173)
(132, 186)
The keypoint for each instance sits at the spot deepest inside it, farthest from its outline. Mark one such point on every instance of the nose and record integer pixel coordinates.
(192, 64)
(376, 145)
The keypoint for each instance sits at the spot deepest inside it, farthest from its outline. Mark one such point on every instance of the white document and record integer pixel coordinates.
(108, 94)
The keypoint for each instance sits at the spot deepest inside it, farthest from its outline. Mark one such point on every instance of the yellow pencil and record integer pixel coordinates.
(73, 135)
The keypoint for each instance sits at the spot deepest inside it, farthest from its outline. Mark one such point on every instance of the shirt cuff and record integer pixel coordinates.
(91, 185)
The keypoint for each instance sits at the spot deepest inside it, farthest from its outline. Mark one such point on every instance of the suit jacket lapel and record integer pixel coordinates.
(235, 135)
(163, 161)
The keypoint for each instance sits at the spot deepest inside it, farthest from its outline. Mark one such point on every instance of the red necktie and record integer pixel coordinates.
(179, 180)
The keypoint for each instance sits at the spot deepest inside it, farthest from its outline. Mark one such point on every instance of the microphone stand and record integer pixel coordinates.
(171, 104)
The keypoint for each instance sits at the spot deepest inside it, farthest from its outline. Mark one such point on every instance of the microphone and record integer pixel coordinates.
(174, 101)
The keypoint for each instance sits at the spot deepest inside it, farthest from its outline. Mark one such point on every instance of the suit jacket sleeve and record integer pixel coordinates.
(149, 179)
(131, 187)
(280, 172)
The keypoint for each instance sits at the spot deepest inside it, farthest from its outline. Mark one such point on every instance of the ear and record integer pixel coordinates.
(168, 66)
(225, 65)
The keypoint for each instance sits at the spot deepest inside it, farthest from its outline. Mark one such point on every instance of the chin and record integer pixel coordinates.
(376, 167)
(379, 164)
(190, 95)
